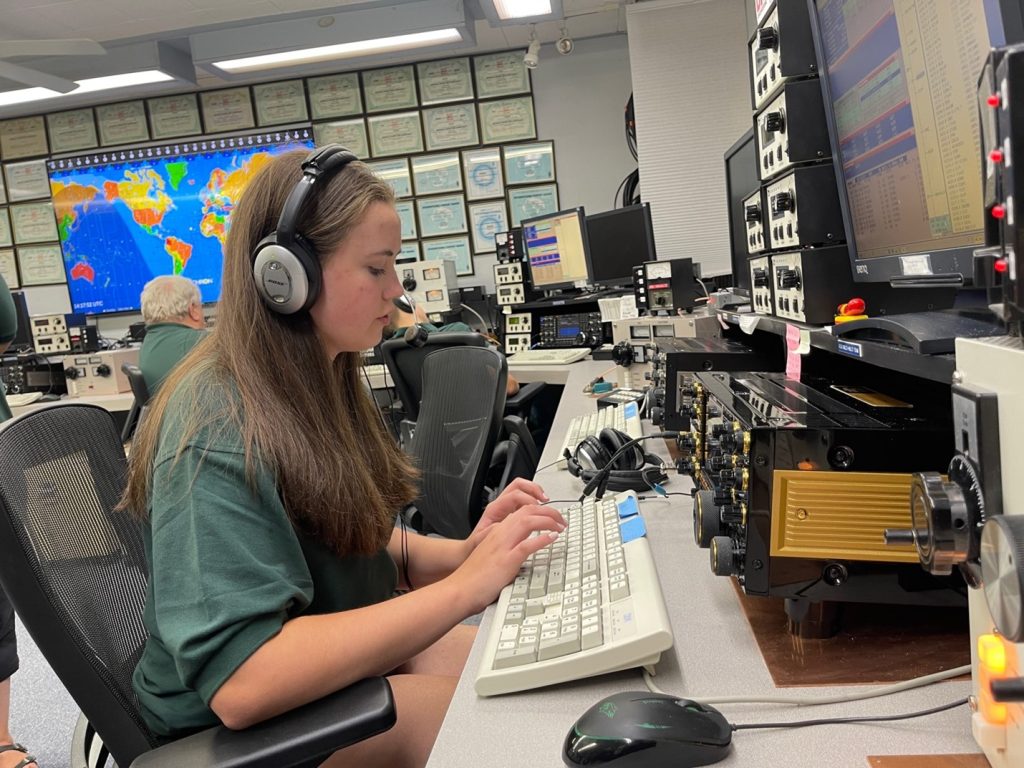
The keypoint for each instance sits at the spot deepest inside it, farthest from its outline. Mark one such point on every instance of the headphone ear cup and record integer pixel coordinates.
(591, 454)
(613, 440)
(287, 279)
(415, 335)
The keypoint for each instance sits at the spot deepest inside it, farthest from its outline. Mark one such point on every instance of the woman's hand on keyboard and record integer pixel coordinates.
(496, 558)
(519, 493)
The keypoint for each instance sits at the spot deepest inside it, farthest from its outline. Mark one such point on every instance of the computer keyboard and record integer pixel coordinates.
(558, 356)
(22, 398)
(625, 418)
(587, 604)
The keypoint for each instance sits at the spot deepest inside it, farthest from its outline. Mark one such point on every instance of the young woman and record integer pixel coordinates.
(270, 487)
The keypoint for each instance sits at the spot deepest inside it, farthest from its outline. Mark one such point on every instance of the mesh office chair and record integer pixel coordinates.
(74, 570)
(405, 363)
(458, 426)
(141, 392)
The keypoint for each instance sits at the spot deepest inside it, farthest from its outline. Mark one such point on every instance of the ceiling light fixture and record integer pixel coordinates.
(532, 56)
(521, 9)
(564, 45)
(89, 85)
(340, 51)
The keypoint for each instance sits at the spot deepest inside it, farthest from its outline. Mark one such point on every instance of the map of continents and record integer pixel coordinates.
(122, 224)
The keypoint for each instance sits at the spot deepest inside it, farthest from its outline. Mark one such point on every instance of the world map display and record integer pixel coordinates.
(123, 223)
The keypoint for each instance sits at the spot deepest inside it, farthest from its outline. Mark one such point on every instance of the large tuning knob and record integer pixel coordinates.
(723, 556)
(774, 122)
(706, 520)
(767, 37)
(1002, 571)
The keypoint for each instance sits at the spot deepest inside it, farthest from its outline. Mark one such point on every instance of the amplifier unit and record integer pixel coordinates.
(803, 208)
(432, 285)
(511, 294)
(506, 273)
(509, 245)
(799, 481)
(781, 50)
(761, 297)
(670, 285)
(48, 325)
(30, 373)
(581, 329)
(516, 342)
(99, 373)
(791, 130)
(753, 214)
(519, 322)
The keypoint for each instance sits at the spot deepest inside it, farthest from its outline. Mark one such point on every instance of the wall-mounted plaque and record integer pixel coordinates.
(395, 173)
(450, 126)
(432, 174)
(23, 137)
(227, 110)
(527, 202)
(279, 103)
(443, 81)
(530, 163)
(9, 268)
(171, 116)
(72, 131)
(27, 180)
(41, 265)
(6, 236)
(409, 252)
(396, 134)
(482, 168)
(334, 96)
(351, 134)
(33, 223)
(507, 120)
(501, 74)
(123, 123)
(485, 221)
(441, 215)
(388, 89)
(453, 249)
(407, 215)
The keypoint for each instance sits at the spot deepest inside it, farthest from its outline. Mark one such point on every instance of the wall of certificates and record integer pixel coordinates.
(455, 138)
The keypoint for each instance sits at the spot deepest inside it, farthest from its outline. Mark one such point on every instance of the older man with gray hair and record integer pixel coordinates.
(173, 310)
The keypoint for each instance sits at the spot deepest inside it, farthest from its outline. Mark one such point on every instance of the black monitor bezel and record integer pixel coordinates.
(652, 251)
(949, 266)
(581, 214)
(739, 259)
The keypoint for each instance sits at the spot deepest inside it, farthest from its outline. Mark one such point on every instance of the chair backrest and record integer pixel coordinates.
(405, 364)
(137, 382)
(73, 568)
(458, 425)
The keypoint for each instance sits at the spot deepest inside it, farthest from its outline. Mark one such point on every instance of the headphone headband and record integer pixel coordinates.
(285, 267)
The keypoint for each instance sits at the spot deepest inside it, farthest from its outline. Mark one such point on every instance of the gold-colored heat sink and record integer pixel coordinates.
(840, 515)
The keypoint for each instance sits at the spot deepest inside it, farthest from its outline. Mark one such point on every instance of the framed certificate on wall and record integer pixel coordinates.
(27, 180)
(450, 126)
(73, 130)
(23, 137)
(445, 215)
(453, 249)
(485, 221)
(9, 268)
(433, 174)
(527, 202)
(407, 215)
(396, 134)
(442, 81)
(351, 134)
(484, 178)
(335, 96)
(6, 236)
(281, 102)
(395, 173)
(529, 163)
(33, 223)
(123, 123)
(171, 116)
(507, 120)
(409, 252)
(227, 110)
(501, 74)
(41, 265)
(388, 89)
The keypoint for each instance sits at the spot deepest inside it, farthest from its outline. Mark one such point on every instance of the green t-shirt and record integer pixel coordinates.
(226, 570)
(163, 348)
(8, 330)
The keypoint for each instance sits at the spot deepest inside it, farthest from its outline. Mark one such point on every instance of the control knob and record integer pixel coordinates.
(774, 122)
(752, 213)
(102, 369)
(706, 522)
(724, 556)
(71, 373)
(761, 278)
(767, 37)
(1002, 572)
(789, 278)
(734, 514)
(783, 201)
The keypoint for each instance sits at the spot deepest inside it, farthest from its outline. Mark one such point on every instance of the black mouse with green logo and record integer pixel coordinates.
(652, 730)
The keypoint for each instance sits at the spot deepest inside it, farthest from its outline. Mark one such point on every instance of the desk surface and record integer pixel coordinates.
(715, 654)
(114, 403)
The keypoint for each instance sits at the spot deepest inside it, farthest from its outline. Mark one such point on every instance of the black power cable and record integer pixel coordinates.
(845, 720)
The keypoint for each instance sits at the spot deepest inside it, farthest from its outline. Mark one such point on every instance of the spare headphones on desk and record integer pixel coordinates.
(630, 471)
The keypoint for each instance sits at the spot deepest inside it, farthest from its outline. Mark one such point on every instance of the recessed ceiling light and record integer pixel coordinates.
(519, 9)
(89, 85)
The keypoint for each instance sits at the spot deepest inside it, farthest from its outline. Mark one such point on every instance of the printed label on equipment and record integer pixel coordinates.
(851, 348)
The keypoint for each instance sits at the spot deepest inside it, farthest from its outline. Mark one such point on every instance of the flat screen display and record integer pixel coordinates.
(620, 240)
(126, 217)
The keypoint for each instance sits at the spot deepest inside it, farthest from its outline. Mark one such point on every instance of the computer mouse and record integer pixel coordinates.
(652, 730)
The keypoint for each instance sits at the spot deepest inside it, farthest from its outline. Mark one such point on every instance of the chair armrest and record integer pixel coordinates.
(302, 737)
(522, 398)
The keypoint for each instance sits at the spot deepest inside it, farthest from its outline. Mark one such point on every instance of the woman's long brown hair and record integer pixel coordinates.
(306, 419)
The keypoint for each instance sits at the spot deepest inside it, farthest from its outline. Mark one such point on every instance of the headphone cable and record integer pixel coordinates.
(600, 479)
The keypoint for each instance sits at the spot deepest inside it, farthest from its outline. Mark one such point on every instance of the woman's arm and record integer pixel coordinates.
(315, 655)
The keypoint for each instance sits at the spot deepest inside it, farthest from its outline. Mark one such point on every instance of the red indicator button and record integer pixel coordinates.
(1000, 265)
(996, 155)
(999, 211)
(993, 100)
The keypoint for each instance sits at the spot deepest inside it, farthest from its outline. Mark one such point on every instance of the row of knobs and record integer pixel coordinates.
(73, 373)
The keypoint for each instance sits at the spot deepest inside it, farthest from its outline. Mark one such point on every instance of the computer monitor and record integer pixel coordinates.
(557, 249)
(899, 83)
(741, 182)
(620, 240)
(128, 216)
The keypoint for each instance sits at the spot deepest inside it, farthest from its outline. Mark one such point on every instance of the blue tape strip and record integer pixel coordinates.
(628, 507)
(632, 528)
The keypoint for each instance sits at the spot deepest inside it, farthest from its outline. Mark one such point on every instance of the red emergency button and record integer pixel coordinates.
(1000, 265)
(999, 211)
(993, 100)
(996, 155)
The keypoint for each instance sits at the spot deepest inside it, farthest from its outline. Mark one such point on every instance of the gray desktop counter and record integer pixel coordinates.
(715, 654)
